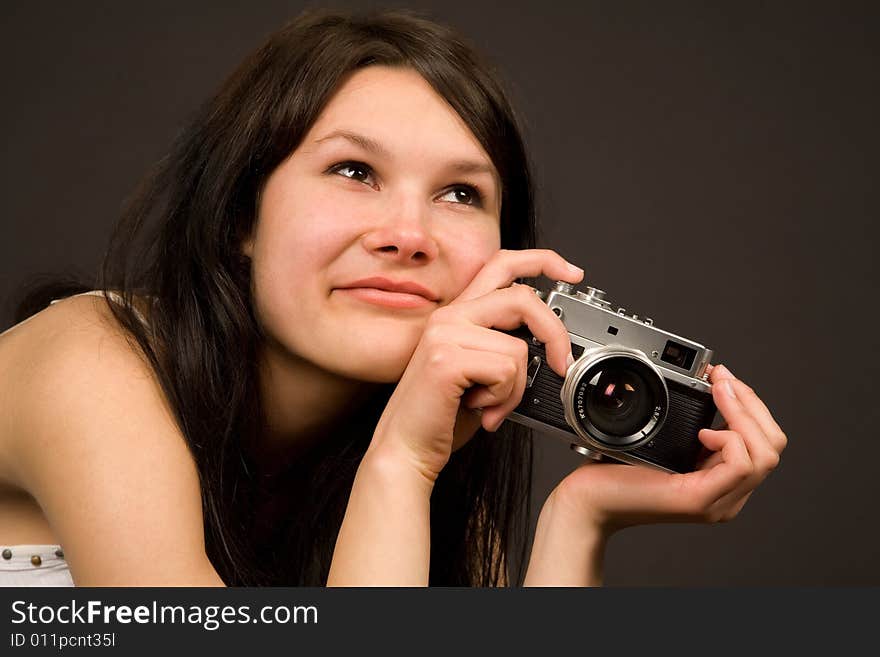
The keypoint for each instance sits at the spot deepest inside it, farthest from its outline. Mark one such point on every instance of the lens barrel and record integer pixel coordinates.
(615, 398)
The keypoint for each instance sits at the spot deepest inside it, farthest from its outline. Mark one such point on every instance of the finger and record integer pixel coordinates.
(729, 506)
(496, 415)
(508, 264)
(467, 422)
(488, 400)
(759, 412)
(496, 373)
(471, 336)
(756, 408)
(710, 460)
(743, 490)
(740, 420)
(729, 500)
(737, 506)
(733, 470)
(765, 460)
(511, 307)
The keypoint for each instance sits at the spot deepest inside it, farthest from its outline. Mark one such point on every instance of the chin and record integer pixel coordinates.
(368, 371)
(379, 351)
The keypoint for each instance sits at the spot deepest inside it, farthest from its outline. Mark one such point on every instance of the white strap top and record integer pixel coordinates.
(114, 296)
(33, 565)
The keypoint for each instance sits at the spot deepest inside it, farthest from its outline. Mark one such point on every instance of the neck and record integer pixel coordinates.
(301, 403)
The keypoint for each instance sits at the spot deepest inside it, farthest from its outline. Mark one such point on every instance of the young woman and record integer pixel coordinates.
(296, 377)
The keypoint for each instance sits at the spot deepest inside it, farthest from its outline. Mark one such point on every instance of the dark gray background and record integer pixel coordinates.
(712, 167)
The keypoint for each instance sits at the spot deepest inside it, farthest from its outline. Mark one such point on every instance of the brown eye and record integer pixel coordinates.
(465, 195)
(354, 170)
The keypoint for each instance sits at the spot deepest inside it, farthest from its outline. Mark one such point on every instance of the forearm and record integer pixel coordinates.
(385, 537)
(566, 551)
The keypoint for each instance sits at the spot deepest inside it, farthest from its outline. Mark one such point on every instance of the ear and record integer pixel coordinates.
(247, 247)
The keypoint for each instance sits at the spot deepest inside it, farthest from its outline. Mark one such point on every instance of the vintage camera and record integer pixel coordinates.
(635, 393)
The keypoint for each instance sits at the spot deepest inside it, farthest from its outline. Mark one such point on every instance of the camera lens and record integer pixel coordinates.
(619, 400)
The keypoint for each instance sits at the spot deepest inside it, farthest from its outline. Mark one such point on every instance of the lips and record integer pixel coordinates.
(380, 291)
(380, 283)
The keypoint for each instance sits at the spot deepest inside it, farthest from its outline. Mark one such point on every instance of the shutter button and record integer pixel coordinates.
(36, 560)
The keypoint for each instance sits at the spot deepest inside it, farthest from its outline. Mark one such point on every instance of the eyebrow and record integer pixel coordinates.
(374, 147)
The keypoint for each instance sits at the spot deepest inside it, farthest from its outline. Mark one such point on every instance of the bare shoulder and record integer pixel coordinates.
(90, 435)
(54, 357)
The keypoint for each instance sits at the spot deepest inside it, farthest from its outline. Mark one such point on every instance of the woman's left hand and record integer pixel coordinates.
(606, 497)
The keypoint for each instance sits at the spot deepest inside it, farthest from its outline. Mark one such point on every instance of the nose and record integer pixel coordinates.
(403, 234)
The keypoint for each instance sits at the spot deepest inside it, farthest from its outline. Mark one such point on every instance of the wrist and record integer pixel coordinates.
(385, 536)
(396, 467)
(568, 549)
(573, 506)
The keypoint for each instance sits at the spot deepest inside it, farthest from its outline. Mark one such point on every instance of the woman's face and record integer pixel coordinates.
(389, 182)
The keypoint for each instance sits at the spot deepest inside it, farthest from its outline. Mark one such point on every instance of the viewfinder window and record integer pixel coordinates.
(678, 355)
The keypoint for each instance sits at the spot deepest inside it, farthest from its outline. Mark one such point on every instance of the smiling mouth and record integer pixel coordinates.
(386, 298)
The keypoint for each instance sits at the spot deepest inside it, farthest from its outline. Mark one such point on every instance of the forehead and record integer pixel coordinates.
(399, 109)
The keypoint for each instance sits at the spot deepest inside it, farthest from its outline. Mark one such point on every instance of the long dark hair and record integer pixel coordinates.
(178, 244)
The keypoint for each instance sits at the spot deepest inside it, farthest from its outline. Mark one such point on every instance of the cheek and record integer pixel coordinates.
(300, 238)
(469, 260)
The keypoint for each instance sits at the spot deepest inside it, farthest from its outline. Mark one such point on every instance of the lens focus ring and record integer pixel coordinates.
(615, 398)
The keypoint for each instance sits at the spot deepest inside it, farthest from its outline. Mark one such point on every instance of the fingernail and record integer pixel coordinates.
(569, 360)
(575, 269)
(728, 388)
(723, 371)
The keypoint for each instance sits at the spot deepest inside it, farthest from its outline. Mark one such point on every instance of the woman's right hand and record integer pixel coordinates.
(460, 363)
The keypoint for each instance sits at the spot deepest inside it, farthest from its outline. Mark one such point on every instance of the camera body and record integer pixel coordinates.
(635, 393)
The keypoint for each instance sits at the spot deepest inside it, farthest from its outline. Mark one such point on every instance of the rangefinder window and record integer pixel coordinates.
(678, 355)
